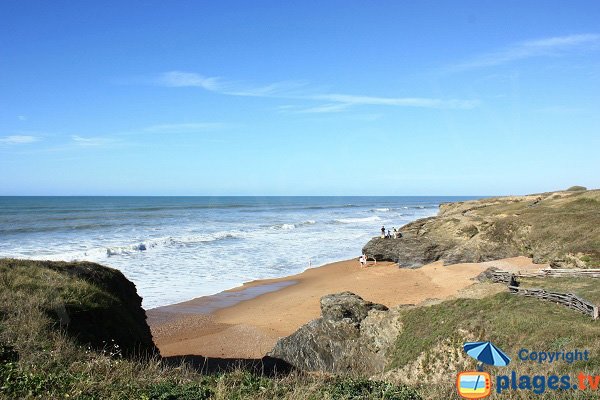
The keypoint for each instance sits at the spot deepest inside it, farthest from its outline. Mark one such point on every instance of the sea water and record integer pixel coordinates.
(178, 248)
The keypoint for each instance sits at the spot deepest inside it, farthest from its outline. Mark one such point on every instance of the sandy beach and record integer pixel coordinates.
(246, 322)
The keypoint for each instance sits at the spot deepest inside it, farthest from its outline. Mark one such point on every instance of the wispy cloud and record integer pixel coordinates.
(297, 90)
(552, 46)
(188, 79)
(92, 141)
(219, 85)
(284, 89)
(18, 139)
(397, 101)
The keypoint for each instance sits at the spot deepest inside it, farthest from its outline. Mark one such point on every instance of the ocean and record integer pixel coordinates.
(178, 248)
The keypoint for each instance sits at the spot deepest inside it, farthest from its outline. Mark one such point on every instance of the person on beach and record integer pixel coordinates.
(389, 235)
(363, 260)
(394, 233)
(383, 232)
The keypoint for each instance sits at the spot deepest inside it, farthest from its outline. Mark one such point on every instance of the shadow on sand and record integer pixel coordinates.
(267, 366)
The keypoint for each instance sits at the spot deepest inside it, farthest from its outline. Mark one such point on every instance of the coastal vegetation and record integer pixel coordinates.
(559, 228)
(429, 348)
(586, 288)
(426, 347)
(77, 330)
(42, 357)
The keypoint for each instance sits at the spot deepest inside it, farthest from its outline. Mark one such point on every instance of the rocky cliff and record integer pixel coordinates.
(561, 228)
(352, 335)
(95, 305)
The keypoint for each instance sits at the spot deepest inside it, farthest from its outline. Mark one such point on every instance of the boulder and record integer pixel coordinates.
(351, 335)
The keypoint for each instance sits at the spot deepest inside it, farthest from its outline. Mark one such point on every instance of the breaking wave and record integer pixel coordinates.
(357, 220)
(286, 227)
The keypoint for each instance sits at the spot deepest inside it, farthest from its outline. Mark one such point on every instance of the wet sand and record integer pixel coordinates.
(245, 322)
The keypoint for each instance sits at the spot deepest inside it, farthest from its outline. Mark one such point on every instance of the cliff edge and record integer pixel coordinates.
(95, 305)
(561, 228)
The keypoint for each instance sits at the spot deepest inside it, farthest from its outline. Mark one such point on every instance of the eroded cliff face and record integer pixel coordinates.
(560, 228)
(96, 305)
(351, 335)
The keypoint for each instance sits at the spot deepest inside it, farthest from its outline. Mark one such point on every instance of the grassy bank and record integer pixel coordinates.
(432, 339)
(41, 358)
(559, 228)
(582, 287)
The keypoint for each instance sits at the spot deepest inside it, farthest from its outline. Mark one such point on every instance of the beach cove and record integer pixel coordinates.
(246, 322)
(177, 248)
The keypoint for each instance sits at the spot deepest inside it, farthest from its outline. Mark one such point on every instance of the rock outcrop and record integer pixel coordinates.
(560, 228)
(96, 305)
(351, 335)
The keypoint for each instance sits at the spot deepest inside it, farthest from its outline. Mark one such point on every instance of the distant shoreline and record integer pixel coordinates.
(178, 248)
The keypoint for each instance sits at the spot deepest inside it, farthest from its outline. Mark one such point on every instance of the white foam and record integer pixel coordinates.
(305, 223)
(358, 220)
(287, 227)
(293, 226)
(98, 253)
(176, 256)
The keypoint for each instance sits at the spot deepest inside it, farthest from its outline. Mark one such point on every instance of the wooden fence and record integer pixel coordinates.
(504, 276)
(566, 299)
(585, 273)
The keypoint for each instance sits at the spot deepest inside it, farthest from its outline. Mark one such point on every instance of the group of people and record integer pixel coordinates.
(395, 233)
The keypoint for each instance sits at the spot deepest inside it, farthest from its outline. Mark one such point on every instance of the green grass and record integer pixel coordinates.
(586, 288)
(24, 278)
(511, 322)
(139, 380)
(552, 229)
(88, 300)
(39, 360)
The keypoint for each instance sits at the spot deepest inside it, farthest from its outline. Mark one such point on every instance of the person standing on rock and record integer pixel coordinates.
(383, 232)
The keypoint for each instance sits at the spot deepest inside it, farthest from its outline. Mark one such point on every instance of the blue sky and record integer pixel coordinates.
(298, 98)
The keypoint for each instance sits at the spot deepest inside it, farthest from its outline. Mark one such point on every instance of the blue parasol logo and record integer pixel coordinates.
(486, 353)
(478, 384)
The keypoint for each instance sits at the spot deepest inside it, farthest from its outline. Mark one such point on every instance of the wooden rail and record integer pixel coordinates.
(566, 299)
(579, 272)
(502, 276)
